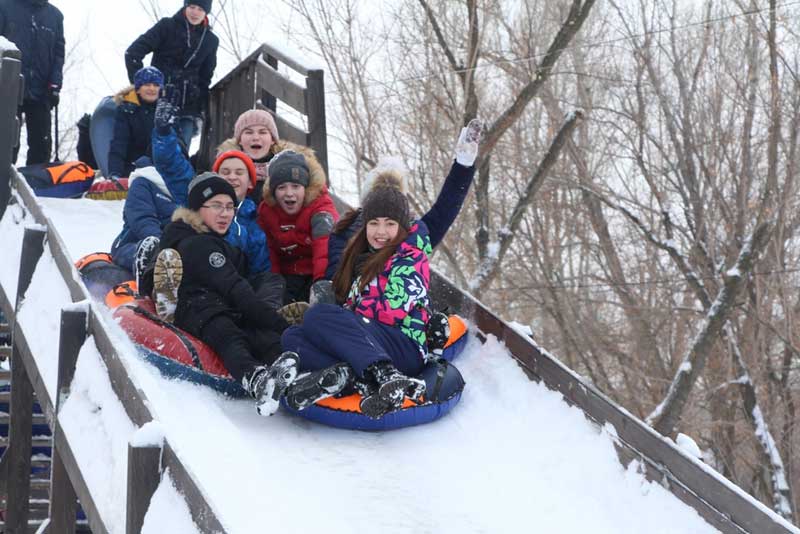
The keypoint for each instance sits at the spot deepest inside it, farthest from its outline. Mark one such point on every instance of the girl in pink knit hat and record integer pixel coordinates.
(256, 135)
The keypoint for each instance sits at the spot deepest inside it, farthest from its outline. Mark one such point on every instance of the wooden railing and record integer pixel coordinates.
(10, 98)
(256, 82)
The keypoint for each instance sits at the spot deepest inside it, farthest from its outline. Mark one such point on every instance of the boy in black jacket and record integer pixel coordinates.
(215, 302)
(185, 49)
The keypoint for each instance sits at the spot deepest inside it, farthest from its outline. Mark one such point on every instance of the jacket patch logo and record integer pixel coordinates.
(216, 259)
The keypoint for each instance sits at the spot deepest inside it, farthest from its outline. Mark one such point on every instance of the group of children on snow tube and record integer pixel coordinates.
(234, 255)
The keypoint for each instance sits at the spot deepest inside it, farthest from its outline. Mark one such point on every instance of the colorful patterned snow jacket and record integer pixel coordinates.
(399, 295)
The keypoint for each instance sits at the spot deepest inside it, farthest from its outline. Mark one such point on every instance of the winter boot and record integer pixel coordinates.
(144, 257)
(167, 275)
(393, 387)
(267, 384)
(294, 312)
(313, 387)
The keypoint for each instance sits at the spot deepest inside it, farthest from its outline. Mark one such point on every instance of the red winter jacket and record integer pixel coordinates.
(298, 244)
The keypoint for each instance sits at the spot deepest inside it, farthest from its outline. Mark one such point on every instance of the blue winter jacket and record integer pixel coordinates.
(133, 126)
(37, 28)
(172, 164)
(438, 219)
(148, 209)
(246, 234)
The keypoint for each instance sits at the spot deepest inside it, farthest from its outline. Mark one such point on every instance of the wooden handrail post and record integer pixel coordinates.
(144, 475)
(63, 499)
(315, 104)
(21, 405)
(10, 97)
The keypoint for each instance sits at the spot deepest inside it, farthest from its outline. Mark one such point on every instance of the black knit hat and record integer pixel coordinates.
(205, 4)
(288, 166)
(208, 185)
(386, 199)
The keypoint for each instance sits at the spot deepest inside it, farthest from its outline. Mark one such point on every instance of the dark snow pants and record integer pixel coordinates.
(331, 334)
(298, 288)
(242, 349)
(37, 125)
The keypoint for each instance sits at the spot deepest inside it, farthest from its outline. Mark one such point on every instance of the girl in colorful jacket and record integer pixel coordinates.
(383, 279)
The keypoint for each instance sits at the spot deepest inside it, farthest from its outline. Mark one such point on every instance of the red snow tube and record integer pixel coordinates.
(444, 385)
(174, 352)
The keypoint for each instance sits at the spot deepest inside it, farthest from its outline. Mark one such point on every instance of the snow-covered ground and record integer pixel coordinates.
(512, 455)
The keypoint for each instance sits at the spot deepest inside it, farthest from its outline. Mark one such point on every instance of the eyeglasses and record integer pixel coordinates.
(218, 208)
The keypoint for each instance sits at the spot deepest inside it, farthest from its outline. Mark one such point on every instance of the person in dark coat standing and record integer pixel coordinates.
(185, 49)
(37, 29)
(133, 122)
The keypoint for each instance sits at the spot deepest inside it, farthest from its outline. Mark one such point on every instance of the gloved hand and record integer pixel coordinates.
(468, 141)
(164, 117)
(54, 95)
(322, 293)
(437, 331)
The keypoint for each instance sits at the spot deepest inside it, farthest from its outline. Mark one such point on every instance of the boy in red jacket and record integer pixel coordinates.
(297, 216)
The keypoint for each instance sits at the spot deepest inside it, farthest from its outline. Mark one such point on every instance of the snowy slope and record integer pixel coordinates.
(511, 457)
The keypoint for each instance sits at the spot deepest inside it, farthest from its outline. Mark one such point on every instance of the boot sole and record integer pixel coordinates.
(312, 387)
(281, 375)
(167, 276)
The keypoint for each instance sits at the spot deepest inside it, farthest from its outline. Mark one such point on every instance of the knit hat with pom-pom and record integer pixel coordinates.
(386, 199)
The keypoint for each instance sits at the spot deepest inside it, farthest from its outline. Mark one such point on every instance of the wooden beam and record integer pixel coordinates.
(290, 132)
(144, 475)
(293, 63)
(10, 93)
(202, 513)
(315, 103)
(281, 87)
(19, 448)
(63, 500)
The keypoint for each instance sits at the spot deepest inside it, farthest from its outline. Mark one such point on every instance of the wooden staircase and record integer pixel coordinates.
(42, 443)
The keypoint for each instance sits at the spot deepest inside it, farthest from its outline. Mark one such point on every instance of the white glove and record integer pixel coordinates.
(467, 144)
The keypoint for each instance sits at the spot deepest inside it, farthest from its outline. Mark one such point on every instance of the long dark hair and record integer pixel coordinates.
(343, 279)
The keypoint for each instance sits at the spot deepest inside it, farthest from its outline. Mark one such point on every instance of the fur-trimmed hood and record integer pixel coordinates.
(318, 181)
(127, 94)
(192, 218)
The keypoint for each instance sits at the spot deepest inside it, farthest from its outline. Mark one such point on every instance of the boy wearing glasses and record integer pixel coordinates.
(215, 302)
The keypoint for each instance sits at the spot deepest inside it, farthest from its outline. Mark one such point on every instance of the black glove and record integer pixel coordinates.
(437, 331)
(54, 96)
(165, 116)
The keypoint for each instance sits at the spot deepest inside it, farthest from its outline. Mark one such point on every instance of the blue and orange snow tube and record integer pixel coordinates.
(443, 382)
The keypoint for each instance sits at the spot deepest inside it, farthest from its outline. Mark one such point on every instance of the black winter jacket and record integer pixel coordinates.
(37, 28)
(186, 54)
(214, 277)
(133, 130)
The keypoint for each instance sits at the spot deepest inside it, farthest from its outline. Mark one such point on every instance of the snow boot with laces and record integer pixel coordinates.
(392, 388)
(318, 385)
(268, 383)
